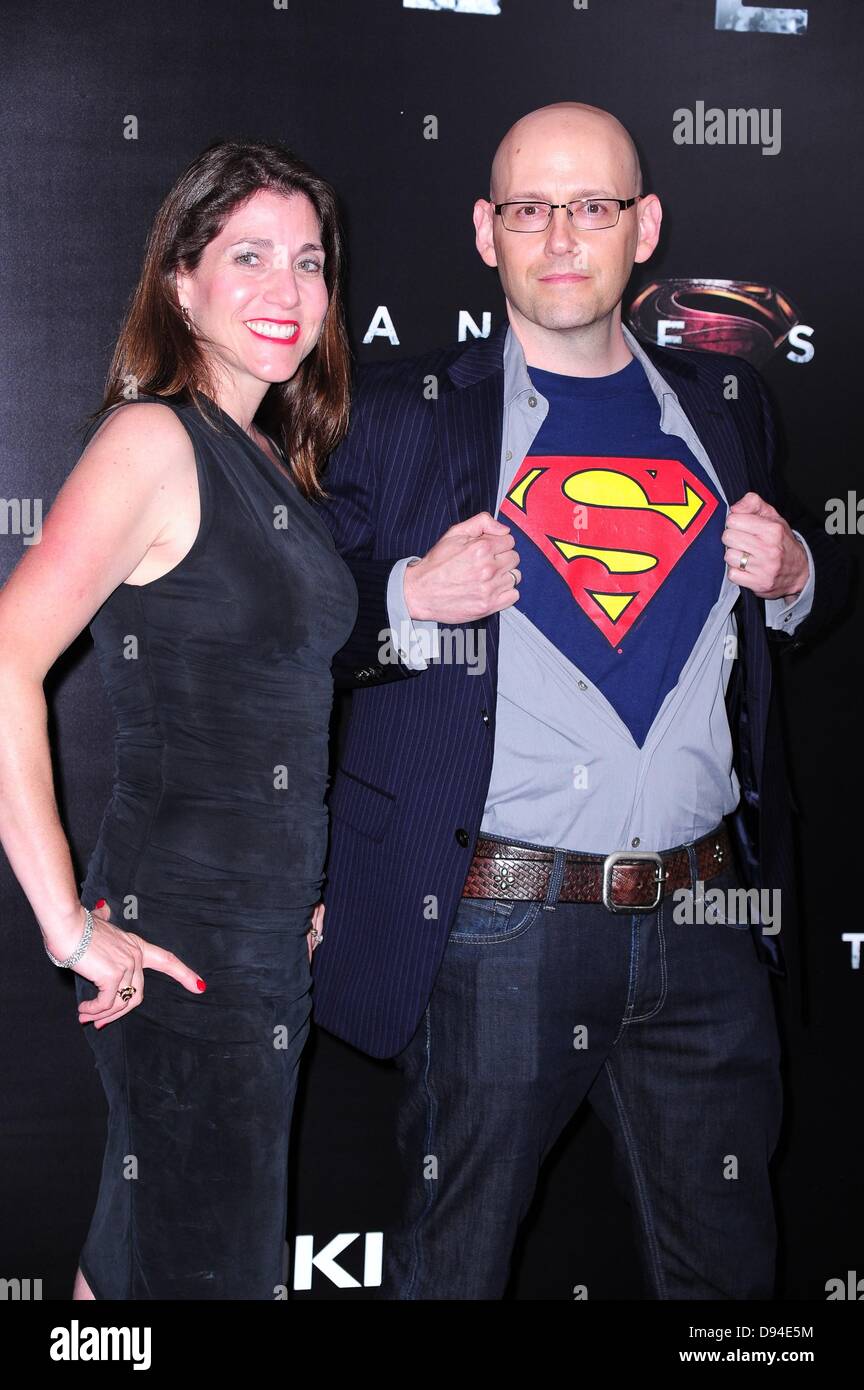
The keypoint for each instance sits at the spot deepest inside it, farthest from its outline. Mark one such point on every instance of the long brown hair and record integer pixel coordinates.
(307, 415)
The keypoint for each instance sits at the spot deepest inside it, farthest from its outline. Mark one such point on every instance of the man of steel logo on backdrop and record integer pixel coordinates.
(718, 315)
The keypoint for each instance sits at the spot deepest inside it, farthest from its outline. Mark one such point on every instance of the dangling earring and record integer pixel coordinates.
(186, 318)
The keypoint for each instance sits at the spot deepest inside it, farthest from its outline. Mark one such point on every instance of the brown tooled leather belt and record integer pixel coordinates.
(624, 881)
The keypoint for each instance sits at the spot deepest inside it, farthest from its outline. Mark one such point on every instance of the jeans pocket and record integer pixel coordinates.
(482, 921)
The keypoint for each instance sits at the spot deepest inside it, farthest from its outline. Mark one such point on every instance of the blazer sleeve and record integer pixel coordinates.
(369, 657)
(833, 569)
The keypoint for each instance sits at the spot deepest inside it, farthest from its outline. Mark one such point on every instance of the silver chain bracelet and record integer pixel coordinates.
(80, 948)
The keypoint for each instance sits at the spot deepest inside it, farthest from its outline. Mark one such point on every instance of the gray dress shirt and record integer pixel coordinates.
(566, 770)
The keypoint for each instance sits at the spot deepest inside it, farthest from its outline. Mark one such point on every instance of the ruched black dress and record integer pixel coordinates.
(213, 846)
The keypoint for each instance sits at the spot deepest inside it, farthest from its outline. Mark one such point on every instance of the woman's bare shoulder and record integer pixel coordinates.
(137, 426)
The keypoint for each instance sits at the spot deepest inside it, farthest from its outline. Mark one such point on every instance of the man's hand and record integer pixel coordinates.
(777, 567)
(467, 573)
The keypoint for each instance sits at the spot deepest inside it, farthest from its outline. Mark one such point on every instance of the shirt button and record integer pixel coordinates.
(509, 454)
(462, 837)
(582, 685)
(532, 400)
(634, 842)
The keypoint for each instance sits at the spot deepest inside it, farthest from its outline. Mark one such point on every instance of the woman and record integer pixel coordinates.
(186, 539)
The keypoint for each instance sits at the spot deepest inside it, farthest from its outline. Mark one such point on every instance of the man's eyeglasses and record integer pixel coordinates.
(588, 214)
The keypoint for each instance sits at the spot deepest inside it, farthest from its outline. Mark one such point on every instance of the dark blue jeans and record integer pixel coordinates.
(668, 1031)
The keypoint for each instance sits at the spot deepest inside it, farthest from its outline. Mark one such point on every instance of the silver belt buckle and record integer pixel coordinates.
(611, 860)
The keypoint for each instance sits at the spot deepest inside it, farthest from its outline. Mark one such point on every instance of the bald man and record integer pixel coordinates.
(572, 553)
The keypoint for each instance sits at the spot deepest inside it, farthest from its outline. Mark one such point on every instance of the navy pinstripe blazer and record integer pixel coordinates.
(423, 452)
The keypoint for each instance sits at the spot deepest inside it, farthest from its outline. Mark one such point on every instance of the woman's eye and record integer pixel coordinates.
(311, 264)
(245, 257)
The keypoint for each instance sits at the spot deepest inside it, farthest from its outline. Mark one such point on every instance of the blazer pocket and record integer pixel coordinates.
(365, 808)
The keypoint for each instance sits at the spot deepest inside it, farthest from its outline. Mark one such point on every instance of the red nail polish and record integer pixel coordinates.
(101, 903)
(201, 985)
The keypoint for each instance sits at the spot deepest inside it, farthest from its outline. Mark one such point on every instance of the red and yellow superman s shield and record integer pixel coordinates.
(613, 528)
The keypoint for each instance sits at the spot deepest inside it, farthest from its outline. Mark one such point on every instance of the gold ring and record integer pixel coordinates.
(126, 993)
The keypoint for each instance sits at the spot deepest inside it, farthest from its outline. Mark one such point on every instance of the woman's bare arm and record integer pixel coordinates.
(119, 505)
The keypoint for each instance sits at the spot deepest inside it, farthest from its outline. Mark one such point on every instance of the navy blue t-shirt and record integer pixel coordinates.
(618, 530)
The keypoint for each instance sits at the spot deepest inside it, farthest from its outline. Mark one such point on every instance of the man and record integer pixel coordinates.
(517, 823)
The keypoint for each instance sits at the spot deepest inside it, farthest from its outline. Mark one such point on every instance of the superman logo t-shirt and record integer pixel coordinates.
(618, 530)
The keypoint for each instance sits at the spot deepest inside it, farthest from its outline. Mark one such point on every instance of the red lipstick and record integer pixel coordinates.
(284, 342)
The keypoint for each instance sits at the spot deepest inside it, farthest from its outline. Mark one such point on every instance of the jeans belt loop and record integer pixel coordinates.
(556, 878)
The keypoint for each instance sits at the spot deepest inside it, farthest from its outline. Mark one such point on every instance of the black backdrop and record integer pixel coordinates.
(351, 85)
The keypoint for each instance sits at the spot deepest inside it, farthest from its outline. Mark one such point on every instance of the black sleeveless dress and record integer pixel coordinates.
(213, 846)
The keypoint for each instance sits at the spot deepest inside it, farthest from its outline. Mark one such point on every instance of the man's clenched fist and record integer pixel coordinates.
(470, 572)
(777, 564)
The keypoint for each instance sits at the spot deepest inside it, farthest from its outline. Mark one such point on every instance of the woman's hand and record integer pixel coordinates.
(316, 931)
(116, 959)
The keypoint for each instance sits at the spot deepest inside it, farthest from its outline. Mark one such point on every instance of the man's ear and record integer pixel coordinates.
(483, 218)
(650, 215)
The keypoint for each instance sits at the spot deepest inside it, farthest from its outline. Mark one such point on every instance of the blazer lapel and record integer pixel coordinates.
(469, 420)
(716, 429)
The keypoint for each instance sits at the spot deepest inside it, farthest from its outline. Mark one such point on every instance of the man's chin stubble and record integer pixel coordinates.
(564, 317)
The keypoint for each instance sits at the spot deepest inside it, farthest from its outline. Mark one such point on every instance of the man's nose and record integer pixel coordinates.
(561, 234)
